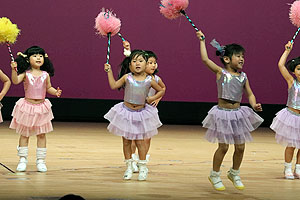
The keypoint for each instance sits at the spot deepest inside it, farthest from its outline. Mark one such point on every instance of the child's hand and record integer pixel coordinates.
(155, 102)
(257, 107)
(200, 35)
(288, 46)
(126, 45)
(13, 65)
(107, 67)
(58, 92)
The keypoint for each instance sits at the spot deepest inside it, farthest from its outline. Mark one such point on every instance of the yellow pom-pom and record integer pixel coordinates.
(8, 31)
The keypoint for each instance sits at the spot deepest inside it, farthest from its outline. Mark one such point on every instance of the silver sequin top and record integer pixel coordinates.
(230, 86)
(152, 91)
(294, 96)
(136, 92)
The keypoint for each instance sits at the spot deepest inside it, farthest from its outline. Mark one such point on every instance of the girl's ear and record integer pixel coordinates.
(226, 59)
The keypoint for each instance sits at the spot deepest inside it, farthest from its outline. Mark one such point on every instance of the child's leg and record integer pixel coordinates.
(288, 154)
(127, 154)
(214, 176)
(127, 148)
(297, 166)
(288, 157)
(133, 146)
(219, 156)
(41, 153)
(147, 142)
(143, 170)
(135, 158)
(234, 173)
(22, 153)
(23, 141)
(141, 146)
(238, 155)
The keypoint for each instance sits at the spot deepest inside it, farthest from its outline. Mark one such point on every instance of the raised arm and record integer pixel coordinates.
(111, 80)
(209, 63)
(6, 84)
(252, 100)
(15, 78)
(281, 64)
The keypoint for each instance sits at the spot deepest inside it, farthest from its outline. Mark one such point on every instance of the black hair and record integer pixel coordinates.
(151, 54)
(293, 63)
(23, 60)
(229, 50)
(126, 62)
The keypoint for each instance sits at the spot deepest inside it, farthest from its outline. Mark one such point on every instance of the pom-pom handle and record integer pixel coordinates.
(294, 37)
(119, 34)
(108, 47)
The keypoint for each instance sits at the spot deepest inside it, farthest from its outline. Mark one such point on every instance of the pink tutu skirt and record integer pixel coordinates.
(32, 119)
(231, 126)
(286, 124)
(1, 120)
(133, 124)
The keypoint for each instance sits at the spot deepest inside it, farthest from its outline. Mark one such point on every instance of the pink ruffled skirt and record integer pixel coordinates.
(286, 124)
(133, 124)
(231, 126)
(32, 119)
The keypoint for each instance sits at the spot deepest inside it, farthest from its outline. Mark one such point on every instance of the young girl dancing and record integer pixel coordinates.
(228, 122)
(6, 84)
(151, 69)
(134, 119)
(32, 115)
(286, 124)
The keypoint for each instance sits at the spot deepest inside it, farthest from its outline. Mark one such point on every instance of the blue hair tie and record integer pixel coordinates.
(217, 45)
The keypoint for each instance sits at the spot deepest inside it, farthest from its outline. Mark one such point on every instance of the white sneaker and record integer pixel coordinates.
(129, 171)
(143, 171)
(22, 164)
(288, 174)
(297, 171)
(233, 175)
(216, 181)
(41, 165)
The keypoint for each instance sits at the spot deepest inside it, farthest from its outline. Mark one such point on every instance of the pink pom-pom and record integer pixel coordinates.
(295, 13)
(107, 22)
(171, 8)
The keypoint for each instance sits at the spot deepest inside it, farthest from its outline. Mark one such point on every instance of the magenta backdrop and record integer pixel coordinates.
(64, 28)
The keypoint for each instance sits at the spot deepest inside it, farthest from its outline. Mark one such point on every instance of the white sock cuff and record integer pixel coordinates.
(41, 153)
(22, 151)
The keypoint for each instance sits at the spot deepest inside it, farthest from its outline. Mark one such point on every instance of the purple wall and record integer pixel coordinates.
(65, 30)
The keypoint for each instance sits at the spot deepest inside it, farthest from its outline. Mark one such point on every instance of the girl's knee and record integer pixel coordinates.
(223, 147)
(41, 136)
(239, 147)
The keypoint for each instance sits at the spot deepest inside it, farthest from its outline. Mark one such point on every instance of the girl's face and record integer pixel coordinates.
(237, 61)
(151, 66)
(36, 60)
(297, 72)
(138, 65)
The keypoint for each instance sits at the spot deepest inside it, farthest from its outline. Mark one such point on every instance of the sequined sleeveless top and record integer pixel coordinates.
(294, 96)
(35, 86)
(230, 86)
(152, 91)
(136, 92)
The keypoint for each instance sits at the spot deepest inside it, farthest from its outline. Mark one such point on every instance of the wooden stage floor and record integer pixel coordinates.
(84, 159)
